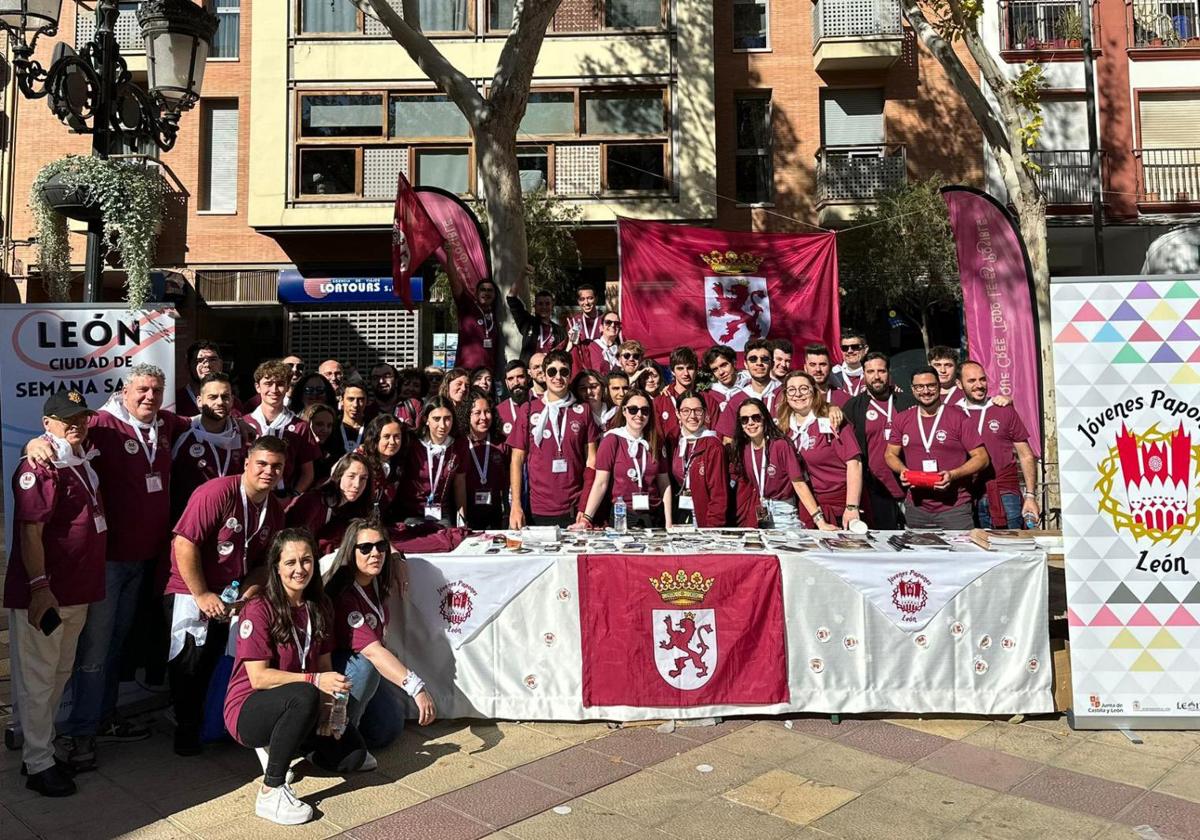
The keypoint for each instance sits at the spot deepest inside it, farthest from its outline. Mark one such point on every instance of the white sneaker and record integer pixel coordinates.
(263, 755)
(280, 806)
(368, 764)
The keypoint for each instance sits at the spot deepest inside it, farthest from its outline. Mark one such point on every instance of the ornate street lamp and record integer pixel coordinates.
(92, 90)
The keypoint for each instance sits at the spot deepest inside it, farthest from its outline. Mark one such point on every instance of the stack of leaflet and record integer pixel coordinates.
(919, 541)
(1003, 540)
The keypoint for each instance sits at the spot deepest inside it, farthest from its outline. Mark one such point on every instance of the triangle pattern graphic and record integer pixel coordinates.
(1181, 618)
(1187, 374)
(1128, 356)
(1125, 641)
(1145, 333)
(1163, 312)
(1180, 290)
(1122, 595)
(1142, 291)
(1183, 332)
(1192, 597)
(1070, 335)
(1087, 312)
(1145, 662)
(1161, 595)
(1105, 618)
(1125, 312)
(1073, 619)
(1107, 334)
(1165, 354)
(1164, 640)
(1142, 618)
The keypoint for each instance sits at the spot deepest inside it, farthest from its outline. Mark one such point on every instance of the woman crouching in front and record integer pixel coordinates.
(359, 590)
(281, 689)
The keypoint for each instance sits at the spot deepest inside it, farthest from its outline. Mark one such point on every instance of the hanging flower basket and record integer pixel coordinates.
(127, 196)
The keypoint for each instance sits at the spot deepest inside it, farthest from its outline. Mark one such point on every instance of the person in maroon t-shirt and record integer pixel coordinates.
(781, 358)
(584, 326)
(848, 377)
(699, 467)
(758, 381)
(327, 510)
(615, 386)
(768, 467)
(486, 469)
(516, 384)
(828, 453)
(274, 418)
(935, 438)
(817, 365)
(944, 360)
(873, 414)
(603, 354)
(556, 438)
(478, 327)
(203, 358)
(630, 466)
(283, 681)
(383, 448)
(725, 395)
(433, 486)
(683, 364)
(999, 500)
(589, 389)
(221, 538)
(211, 448)
(55, 570)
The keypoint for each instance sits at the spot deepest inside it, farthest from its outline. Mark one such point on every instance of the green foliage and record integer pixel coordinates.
(900, 255)
(1027, 92)
(131, 199)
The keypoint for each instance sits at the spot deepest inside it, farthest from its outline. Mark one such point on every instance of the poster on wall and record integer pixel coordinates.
(1127, 380)
(86, 346)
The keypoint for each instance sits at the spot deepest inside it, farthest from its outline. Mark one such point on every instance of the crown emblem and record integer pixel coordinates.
(1157, 478)
(75, 396)
(731, 262)
(680, 589)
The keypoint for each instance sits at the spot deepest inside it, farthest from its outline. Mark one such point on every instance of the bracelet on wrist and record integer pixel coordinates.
(44, 583)
(1029, 495)
(852, 507)
(817, 516)
(585, 516)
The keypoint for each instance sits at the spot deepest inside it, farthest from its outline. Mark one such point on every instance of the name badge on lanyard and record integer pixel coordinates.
(929, 464)
(97, 517)
(685, 501)
(641, 501)
(154, 482)
(484, 496)
(433, 509)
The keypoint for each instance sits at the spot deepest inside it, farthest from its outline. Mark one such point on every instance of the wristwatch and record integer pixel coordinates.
(852, 507)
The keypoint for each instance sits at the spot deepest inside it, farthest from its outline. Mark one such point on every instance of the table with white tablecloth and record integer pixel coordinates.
(499, 636)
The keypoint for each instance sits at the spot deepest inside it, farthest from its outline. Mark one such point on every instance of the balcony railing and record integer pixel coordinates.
(1171, 176)
(856, 19)
(852, 174)
(1041, 25)
(1064, 175)
(129, 34)
(1164, 23)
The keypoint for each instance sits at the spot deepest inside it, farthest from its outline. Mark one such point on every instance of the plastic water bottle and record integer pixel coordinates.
(230, 594)
(1031, 522)
(337, 717)
(619, 523)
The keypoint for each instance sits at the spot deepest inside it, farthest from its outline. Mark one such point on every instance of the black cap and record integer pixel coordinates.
(65, 403)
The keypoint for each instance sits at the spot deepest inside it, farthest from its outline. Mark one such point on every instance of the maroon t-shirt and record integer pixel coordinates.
(62, 500)
(416, 480)
(139, 520)
(311, 510)
(781, 469)
(554, 493)
(301, 448)
(613, 457)
(491, 459)
(477, 333)
(950, 447)
(507, 410)
(722, 412)
(667, 416)
(254, 644)
(852, 386)
(880, 428)
(229, 537)
(824, 455)
(359, 619)
(1000, 427)
(707, 478)
(589, 328)
(598, 361)
(836, 396)
(195, 461)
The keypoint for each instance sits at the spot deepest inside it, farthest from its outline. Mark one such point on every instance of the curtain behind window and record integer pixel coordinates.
(443, 15)
(328, 16)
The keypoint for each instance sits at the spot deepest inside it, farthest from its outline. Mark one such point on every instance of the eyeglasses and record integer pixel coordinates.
(748, 419)
(631, 355)
(798, 392)
(932, 387)
(634, 410)
(851, 348)
(611, 322)
(690, 411)
(366, 547)
(314, 391)
(207, 360)
(558, 371)
(758, 360)
(77, 421)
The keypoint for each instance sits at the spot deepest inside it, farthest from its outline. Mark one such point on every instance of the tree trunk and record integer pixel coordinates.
(925, 329)
(495, 144)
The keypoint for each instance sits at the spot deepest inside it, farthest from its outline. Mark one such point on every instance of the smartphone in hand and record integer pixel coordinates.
(50, 621)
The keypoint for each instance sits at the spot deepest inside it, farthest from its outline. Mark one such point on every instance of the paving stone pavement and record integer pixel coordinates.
(762, 779)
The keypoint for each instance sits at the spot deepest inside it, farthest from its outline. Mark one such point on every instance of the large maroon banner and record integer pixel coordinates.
(998, 301)
(463, 246)
(695, 286)
(682, 631)
(414, 238)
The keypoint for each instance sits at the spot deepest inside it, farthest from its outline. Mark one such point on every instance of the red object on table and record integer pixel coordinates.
(922, 479)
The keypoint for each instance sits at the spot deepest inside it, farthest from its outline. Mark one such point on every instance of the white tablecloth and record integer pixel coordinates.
(987, 651)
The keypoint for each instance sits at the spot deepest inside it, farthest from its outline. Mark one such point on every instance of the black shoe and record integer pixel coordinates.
(187, 742)
(122, 730)
(64, 766)
(51, 782)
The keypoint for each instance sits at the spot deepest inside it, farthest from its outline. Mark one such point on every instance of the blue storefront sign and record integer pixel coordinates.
(296, 288)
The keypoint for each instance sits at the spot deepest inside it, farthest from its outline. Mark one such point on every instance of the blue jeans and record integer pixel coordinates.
(374, 708)
(783, 513)
(95, 679)
(1012, 510)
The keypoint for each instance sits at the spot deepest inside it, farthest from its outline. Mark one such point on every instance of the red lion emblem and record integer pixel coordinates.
(743, 307)
(680, 638)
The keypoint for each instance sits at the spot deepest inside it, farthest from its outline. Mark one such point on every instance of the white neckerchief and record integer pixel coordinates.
(551, 415)
(683, 456)
(887, 414)
(584, 331)
(117, 409)
(968, 407)
(726, 391)
(247, 534)
(760, 474)
(229, 440)
(610, 353)
(303, 649)
(375, 606)
(800, 430)
(634, 447)
(64, 456)
(482, 469)
(927, 440)
(854, 381)
(767, 394)
(275, 427)
(435, 450)
(606, 415)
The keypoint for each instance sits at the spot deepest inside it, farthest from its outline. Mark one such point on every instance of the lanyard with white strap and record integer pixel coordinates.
(545, 338)
(887, 413)
(482, 469)
(308, 634)
(246, 532)
(435, 478)
(222, 468)
(639, 470)
(687, 461)
(558, 429)
(854, 384)
(927, 440)
(760, 474)
(93, 493)
(346, 440)
(378, 610)
(151, 450)
(587, 333)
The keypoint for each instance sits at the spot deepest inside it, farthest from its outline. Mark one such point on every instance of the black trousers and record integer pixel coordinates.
(564, 521)
(284, 720)
(192, 669)
(885, 511)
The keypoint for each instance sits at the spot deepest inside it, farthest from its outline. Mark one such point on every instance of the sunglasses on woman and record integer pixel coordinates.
(643, 410)
(747, 419)
(612, 322)
(365, 547)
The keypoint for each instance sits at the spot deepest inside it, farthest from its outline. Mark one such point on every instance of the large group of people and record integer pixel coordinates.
(273, 530)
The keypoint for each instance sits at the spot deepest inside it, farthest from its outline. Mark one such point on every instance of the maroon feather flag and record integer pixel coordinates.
(414, 238)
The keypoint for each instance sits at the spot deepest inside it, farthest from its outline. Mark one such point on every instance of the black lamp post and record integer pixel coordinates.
(93, 92)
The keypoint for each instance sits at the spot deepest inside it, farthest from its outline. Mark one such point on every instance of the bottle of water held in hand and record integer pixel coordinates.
(230, 594)
(337, 717)
(619, 523)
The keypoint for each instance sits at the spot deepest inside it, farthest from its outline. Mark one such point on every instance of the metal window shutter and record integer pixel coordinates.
(222, 157)
(852, 117)
(1170, 120)
(357, 336)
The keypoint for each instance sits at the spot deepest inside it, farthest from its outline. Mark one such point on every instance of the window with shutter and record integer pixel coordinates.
(220, 127)
(1170, 120)
(852, 117)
